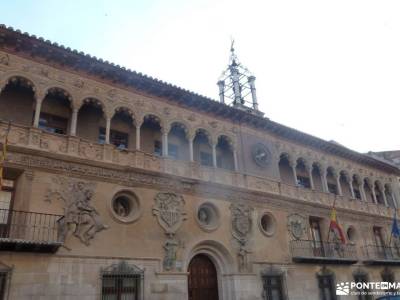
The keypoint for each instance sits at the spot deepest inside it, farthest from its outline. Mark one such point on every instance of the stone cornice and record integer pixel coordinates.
(37, 49)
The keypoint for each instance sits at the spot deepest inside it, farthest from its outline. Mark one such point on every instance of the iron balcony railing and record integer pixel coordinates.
(19, 229)
(382, 253)
(309, 250)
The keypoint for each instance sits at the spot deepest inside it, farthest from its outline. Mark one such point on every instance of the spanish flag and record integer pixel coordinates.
(3, 157)
(335, 227)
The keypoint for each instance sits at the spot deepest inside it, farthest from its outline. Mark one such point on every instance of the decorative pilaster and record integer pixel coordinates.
(351, 188)
(373, 195)
(293, 166)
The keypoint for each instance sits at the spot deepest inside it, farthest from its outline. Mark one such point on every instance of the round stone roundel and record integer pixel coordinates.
(261, 154)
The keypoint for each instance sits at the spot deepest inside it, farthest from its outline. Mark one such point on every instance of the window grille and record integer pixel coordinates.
(326, 286)
(122, 281)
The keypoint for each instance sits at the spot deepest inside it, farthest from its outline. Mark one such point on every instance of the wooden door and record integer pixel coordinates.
(203, 282)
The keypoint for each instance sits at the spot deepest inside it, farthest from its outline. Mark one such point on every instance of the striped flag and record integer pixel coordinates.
(335, 227)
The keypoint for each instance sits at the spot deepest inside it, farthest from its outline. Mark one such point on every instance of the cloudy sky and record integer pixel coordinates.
(329, 68)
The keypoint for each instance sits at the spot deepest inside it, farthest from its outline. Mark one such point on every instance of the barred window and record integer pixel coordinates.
(122, 282)
(326, 287)
(363, 278)
(273, 287)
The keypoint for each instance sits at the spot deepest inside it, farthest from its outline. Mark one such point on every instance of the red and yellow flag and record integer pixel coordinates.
(335, 227)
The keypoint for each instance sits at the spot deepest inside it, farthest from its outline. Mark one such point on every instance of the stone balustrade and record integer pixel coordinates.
(75, 147)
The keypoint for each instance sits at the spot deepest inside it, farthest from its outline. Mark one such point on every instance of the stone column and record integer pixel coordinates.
(190, 141)
(384, 197)
(235, 161)
(74, 121)
(351, 188)
(214, 154)
(394, 199)
(324, 181)
(339, 187)
(362, 192)
(138, 127)
(373, 194)
(251, 80)
(164, 142)
(108, 130)
(293, 166)
(309, 170)
(38, 108)
(221, 85)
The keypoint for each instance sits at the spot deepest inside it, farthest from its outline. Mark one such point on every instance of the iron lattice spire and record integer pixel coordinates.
(238, 85)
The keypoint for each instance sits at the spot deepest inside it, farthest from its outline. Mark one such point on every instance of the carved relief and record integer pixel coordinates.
(241, 223)
(4, 59)
(169, 209)
(296, 225)
(79, 214)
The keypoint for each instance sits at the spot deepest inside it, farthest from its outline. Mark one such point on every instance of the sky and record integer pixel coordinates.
(328, 68)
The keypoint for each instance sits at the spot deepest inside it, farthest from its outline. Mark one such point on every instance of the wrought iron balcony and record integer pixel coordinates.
(309, 251)
(379, 255)
(29, 231)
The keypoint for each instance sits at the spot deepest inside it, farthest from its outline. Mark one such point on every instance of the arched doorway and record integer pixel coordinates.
(202, 282)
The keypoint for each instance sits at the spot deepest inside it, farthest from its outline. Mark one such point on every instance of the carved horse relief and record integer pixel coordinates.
(79, 214)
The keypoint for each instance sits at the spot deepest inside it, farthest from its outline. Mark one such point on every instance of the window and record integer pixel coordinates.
(316, 237)
(379, 243)
(117, 138)
(54, 124)
(6, 197)
(388, 276)
(363, 278)
(303, 182)
(122, 281)
(173, 151)
(326, 286)
(3, 284)
(357, 193)
(205, 159)
(332, 188)
(273, 287)
(157, 148)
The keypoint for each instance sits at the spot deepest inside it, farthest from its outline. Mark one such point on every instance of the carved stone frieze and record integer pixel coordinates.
(78, 210)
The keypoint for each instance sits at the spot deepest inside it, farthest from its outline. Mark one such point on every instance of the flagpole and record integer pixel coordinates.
(329, 229)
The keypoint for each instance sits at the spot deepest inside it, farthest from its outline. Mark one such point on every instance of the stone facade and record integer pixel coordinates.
(156, 225)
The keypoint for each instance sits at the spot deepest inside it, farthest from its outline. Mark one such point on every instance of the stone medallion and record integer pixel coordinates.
(261, 155)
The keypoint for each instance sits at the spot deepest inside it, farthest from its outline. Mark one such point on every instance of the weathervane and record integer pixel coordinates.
(238, 85)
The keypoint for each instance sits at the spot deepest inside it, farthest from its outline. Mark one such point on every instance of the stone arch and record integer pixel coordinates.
(206, 131)
(181, 123)
(286, 171)
(345, 181)
(10, 75)
(317, 171)
(223, 262)
(124, 108)
(302, 172)
(228, 137)
(379, 192)
(62, 89)
(154, 116)
(91, 98)
(368, 187)
(331, 180)
(21, 91)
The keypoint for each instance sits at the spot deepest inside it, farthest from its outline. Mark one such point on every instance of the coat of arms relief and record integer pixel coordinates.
(296, 225)
(79, 214)
(242, 223)
(169, 210)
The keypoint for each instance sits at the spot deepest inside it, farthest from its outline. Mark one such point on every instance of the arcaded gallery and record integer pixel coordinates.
(119, 186)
